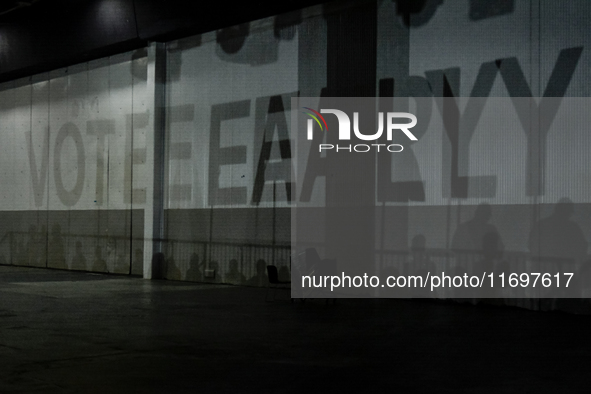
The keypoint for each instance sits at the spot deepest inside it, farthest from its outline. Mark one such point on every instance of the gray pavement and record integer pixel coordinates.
(72, 332)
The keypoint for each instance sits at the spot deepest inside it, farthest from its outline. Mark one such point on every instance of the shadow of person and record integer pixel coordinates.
(233, 275)
(476, 243)
(234, 45)
(79, 260)
(99, 264)
(469, 236)
(194, 273)
(420, 264)
(260, 278)
(557, 237)
(559, 241)
(491, 263)
(173, 272)
(491, 252)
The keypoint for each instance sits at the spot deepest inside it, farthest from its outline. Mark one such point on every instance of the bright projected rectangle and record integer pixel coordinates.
(478, 197)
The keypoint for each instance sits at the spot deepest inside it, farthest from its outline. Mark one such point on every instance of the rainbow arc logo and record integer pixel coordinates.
(316, 117)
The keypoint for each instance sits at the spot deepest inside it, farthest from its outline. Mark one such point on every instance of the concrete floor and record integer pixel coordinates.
(70, 332)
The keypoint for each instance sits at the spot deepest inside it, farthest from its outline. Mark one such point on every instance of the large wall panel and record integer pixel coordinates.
(228, 97)
(225, 87)
(66, 159)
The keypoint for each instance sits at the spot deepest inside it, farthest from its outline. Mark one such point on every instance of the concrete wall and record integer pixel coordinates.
(226, 88)
(76, 164)
(69, 197)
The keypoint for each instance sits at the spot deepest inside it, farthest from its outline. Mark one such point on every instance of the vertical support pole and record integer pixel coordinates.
(155, 146)
(350, 181)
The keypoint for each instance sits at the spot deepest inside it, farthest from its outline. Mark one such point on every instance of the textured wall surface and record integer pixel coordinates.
(228, 97)
(72, 154)
(69, 193)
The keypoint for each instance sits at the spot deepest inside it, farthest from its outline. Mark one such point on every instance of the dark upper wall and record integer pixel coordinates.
(56, 33)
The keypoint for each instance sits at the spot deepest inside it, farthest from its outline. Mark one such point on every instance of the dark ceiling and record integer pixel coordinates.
(41, 35)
